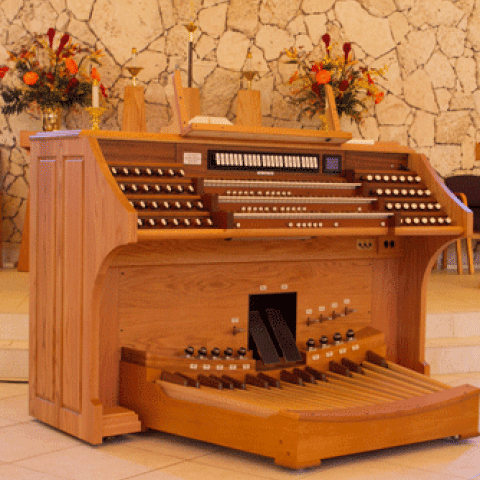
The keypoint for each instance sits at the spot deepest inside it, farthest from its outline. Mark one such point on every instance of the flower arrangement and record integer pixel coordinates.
(50, 77)
(353, 86)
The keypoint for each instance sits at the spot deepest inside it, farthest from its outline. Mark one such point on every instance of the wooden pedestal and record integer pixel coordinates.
(249, 108)
(134, 110)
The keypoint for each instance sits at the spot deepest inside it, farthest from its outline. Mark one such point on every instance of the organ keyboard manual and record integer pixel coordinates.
(259, 288)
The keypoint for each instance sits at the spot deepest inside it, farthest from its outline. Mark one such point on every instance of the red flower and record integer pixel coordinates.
(71, 85)
(343, 85)
(64, 40)
(51, 35)
(71, 65)
(326, 40)
(315, 68)
(323, 77)
(347, 47)
(30, 78)
(103, 90)
(50, 77)
(379, 97)
(316, 89)
(95, 75)
(3, 71)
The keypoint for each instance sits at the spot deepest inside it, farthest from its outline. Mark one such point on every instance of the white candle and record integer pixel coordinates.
(95, 94)
(134, 51)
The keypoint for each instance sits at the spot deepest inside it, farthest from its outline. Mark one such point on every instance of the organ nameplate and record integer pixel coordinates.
(342, 351)
(193, 366)
(219, 367)
(346, 301)
(235, 320)
(192, 158)
(233, 367)
(263, 288)
(332, 164)
(355, 347)
(334, 305)
(284, 287)
(321, 309)
(309, 311)
(246, 366)
(329, 354)
(206, 366)
(316, 357)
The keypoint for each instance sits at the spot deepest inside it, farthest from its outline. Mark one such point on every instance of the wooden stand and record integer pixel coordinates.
(134, 110)
(249, 108)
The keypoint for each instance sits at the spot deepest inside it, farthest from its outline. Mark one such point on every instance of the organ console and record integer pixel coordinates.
(268, 282)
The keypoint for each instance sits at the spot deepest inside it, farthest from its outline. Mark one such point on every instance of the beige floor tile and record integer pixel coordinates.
(193, 470)
(161, 475)
(26, 440)
(356, 467)
(182, 448)
(12, 389)
(14, 472)
(15, 408)
(461, 459)
(85, 463)
(149, 458)
(248, 464)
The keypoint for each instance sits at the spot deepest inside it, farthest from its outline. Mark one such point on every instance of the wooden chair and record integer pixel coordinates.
(467, 189)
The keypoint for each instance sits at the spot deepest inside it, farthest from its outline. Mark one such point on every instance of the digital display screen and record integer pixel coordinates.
(332, 164)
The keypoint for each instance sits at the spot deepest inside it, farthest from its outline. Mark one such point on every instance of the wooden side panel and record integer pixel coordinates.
(73, 216)
(46, 244)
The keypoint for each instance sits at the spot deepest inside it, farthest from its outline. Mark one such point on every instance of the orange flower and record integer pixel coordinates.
(323, 76)
(95, 74)
(71, 65)
(30, 78)
(379, 97)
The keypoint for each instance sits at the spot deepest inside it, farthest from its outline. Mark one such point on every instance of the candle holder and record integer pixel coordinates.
(249, 74)
(95, 114)
(134, 70)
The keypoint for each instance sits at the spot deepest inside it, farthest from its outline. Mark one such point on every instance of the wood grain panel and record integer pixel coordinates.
(46, 279)
(73, 221)
(195, 304)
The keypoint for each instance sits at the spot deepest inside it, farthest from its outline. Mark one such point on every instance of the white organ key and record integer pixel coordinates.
(222, 159)
(217, 158)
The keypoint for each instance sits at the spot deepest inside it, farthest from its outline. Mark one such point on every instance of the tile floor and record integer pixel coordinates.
(30, 450)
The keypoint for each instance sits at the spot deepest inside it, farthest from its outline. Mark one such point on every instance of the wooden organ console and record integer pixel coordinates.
(261, 289)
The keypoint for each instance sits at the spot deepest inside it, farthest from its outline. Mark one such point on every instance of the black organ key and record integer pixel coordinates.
(166, 205)
(324, 341)
(177, 205)
(141, 204)
(175, 222)
(145, 188)
(373, 357)
(316, 373)
(305, 376)
(187, 222)
(168, 189)
(163, 222)
(352, 366)
(114, 171)
(158, 172)
(137, 171)
(157, 188)
(151, 222)
(202, 352)
(190, 189)
(181, 172)
(173, 378)
(191, 382)
(337, 338)
(148, 171)
(290, 377)
(154, 205)
(170, 172)
(199, 205)
(125, 171)
(235, 382)
(228, 352)
(210, 382)
(215, 353)
(339, 368)
(255, 381)
(180, 189)
(225, 383)
(189, 351)
(310, 344)
(272, 382)
(350, 335)
(188, 205)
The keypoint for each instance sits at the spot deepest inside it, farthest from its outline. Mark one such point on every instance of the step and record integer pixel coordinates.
(453, 325)
(14, 360)
(13, 326)
(453, 355)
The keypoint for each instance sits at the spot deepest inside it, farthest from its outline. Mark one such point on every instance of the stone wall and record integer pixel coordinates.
(430, 46)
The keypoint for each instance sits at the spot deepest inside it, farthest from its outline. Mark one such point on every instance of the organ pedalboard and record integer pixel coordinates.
(266, 282)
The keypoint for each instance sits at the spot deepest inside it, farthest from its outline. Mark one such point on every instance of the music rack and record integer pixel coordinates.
(243, 300)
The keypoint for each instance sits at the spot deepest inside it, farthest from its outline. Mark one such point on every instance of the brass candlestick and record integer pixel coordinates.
(191, 27)
(95, 114)
(134, 70)
(249, 74)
